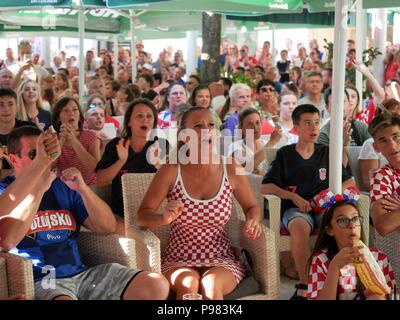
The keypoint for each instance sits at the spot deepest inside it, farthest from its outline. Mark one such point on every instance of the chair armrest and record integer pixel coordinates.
(265, 262)
(148, 252)
(3, 280)
(19, 275)
(274, 207)
(97, 249)
(363, 206)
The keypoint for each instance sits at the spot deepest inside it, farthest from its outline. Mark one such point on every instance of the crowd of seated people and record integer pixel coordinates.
(65, 147)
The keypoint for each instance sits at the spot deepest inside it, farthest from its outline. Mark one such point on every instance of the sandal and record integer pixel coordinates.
(299, 286)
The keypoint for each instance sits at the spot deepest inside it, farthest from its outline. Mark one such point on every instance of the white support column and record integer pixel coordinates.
(81, 25)
(115, 48)
(396, 28)
(380, 43)
(46, 55)
(191, 59)
(361, 17)
(133, 47)
(336, 123)
(273, 44)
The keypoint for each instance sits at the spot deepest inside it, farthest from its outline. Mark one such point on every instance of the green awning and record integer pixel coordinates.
(34, 3)
(274, 5)
(67, 3)
(191, 5)
(320, 19)
(60, 19)
(329, 5)
(367, 4)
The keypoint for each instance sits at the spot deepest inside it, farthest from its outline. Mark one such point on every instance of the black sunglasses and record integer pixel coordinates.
(32, 154)
(267, 89)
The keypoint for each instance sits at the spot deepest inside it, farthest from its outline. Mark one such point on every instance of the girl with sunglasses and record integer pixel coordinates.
(332, 273)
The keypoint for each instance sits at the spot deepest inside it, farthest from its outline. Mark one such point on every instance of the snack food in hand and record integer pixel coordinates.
(370, 273)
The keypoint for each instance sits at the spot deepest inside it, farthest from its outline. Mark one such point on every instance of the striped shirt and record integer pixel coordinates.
(69, 158)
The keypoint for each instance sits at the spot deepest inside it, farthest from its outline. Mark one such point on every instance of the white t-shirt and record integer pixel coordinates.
(218, 102)
(368, 153)
(36, 73)
(286, 139)
(243, 154)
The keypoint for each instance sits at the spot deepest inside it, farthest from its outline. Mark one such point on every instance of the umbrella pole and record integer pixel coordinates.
(81, 25)
(273, 44)
(360, 45)
(336, 122)
(115, 56)
(133, 47)
(191, 45)
(380, 43)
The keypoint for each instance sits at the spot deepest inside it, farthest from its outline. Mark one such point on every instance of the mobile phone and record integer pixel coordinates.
(27, 57)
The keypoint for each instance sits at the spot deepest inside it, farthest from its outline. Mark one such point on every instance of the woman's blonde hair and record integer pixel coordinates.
(22, 113)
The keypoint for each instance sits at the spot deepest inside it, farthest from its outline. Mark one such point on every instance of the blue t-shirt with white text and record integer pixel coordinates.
(51, 240)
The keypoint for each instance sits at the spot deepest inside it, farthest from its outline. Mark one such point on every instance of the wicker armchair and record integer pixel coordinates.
(95, 249)
(352, 154)
(3, 279)
(262, 250)
(390, 245)
(17, 275)
(270, 154)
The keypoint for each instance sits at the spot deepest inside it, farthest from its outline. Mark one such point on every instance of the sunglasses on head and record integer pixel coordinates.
(95, 105)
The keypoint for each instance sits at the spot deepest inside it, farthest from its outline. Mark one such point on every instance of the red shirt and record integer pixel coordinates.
(368, 113)
(391, 71)
(112, 120)
(245, 65)
(69, 158)
(266, 127)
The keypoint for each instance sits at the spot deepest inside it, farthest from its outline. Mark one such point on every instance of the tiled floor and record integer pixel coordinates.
(286, 288)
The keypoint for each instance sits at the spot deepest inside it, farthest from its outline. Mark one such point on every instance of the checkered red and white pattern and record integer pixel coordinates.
(386, 181)
(198, 237)
(347, 278)
(69, 157)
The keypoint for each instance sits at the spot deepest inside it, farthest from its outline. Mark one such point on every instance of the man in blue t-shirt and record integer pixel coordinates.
(40, 219)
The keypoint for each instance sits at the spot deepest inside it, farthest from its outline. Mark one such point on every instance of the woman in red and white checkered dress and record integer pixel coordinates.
(199, 256)
(332, 274)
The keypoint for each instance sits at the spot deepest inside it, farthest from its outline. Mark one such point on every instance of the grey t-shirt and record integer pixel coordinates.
(320, 106)
(359, 136)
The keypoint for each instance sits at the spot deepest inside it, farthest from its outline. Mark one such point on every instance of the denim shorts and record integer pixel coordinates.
(313, 219)
(102, 282)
